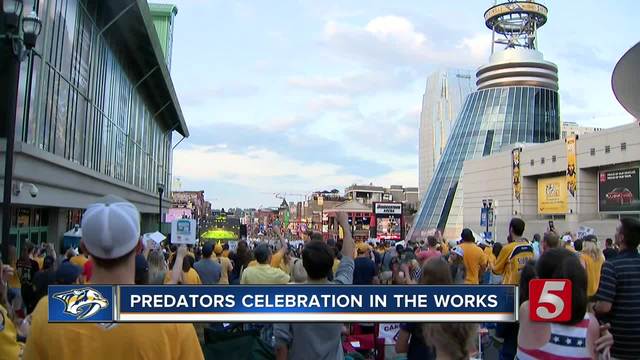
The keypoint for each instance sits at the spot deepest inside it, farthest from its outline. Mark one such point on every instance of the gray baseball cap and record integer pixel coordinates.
(110, 227)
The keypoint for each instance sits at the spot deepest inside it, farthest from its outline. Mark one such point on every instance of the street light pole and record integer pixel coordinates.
(160, 192)
(13, 50)
(8, 102)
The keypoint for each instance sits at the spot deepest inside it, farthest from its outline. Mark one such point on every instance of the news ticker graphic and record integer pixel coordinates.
(282, 303)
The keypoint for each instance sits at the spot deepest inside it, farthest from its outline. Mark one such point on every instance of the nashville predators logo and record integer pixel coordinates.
(82, 303)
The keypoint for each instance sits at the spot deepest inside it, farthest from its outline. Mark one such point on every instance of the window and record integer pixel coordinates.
(542, 160)
(553, 158)
(592, 152)
(532, 162)
(488, 142)
(607, 149)
(623, 146)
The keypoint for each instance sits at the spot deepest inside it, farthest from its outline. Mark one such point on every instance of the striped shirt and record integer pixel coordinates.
(620, 285)
(565, 342)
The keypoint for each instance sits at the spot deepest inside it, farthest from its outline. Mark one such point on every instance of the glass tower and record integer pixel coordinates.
(444, 95)
(516, 102)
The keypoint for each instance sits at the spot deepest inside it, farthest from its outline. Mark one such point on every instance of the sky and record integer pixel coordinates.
(298, 96)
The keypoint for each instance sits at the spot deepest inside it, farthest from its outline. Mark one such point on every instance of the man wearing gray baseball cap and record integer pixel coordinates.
(111, 232)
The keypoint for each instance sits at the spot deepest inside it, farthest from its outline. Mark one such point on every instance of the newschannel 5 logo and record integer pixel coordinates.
(550, 300)
(81, 303)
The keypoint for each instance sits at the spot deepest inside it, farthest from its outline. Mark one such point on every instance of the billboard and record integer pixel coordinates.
(619, 190)
(389, 222)
(552, 195)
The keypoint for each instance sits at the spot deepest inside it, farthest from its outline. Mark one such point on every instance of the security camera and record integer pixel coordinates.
(33, 190)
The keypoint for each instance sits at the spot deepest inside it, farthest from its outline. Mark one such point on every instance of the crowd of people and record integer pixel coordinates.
(605, 321)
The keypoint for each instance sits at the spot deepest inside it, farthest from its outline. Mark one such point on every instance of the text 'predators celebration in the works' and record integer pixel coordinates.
(321, 180)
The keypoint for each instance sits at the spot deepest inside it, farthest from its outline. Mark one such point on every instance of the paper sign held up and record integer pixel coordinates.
(183, 231)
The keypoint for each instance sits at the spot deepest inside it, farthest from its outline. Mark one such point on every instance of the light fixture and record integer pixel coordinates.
(12, 10)
(484, 203)
(160, 187)
(31, 27)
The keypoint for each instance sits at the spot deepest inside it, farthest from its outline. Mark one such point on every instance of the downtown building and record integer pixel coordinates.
(96, 115)
(443, 97)
(516, 102)
(571, 128)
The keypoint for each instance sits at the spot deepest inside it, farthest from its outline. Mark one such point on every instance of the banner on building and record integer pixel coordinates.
(572, 181)
(619, 190)
(517, 178)
(552, 195)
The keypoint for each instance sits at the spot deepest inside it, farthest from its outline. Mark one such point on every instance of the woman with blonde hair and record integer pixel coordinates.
(157, 267)
(592, 259)
(298, 273)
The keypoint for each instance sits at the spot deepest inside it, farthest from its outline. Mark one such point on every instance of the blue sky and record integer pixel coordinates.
(297, 96)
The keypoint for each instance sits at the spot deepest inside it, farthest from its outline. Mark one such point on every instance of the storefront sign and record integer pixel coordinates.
(388, 208)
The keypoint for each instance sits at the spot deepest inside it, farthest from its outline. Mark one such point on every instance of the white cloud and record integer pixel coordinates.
(258, 168)
(478, 46)
(329, 103)
(394, 40)
(353, 83)
(399, 30)
(280, 123)
(405, 177)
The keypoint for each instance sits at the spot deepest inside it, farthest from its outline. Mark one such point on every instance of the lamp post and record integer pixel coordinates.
(13, 50)
(160, 192)
(487, 207)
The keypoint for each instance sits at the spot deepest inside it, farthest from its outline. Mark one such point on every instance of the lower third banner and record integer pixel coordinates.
(283, 303)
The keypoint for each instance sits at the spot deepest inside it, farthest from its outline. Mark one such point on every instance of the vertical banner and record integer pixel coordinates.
(517, 183)
(572, 181)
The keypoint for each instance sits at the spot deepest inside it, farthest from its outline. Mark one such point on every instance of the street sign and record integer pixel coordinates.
(490, 217)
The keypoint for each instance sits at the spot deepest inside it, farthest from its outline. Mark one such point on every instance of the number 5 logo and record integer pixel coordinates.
(550, 300)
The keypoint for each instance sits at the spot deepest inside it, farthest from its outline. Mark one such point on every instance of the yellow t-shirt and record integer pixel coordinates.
(491, 259)
(276, 262)
(336, 264)
(226, 269)
(512, 258)
(444, 249)
(40, 261)
(593, 268)
(190, 277)
(14, 280)
(79, 260)
(474, 261)
(110, 341)
(9, 345)
(263, 274)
